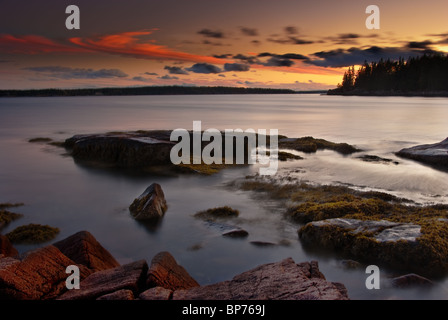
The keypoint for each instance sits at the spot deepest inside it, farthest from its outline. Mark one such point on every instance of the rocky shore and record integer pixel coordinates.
(435, 155)
(41, 275)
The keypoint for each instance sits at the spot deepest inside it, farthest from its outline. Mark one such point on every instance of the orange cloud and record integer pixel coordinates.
(32, 44)
(130, 44)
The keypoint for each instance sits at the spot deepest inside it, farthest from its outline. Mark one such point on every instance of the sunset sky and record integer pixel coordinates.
(301, 45)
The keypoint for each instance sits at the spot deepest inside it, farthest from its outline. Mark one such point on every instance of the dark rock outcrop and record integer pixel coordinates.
(165, 272)
(83, 248)
(6, 248)
(40, 274)
(435, 155)
(130, 276)
(150, 205)
(124, 150)
(284, 280)
(311, 145)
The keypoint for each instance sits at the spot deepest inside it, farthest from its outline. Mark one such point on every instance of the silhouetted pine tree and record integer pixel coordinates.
(424, 74)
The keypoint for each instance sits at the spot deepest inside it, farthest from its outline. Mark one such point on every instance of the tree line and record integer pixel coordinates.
(423, 75)
(151, 90)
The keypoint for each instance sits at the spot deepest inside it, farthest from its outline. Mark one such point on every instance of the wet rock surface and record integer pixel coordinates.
(150, 205)
(435, 154)
(40, 274)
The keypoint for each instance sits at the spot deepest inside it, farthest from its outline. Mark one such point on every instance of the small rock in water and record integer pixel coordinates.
(236, 233)
(151, 204)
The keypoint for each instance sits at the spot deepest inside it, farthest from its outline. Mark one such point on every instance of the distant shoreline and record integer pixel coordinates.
(161, 90)
(435, 94)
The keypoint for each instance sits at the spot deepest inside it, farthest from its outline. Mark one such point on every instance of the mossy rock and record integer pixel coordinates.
(7, 217)
(32, 233)
(311, 145)
(217, 213)
(427, 255)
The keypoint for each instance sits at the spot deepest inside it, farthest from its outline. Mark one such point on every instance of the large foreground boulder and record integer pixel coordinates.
(284, 280)
(165, 272)
(150, 205)
(83, 248)
(127, 277)
(40, 274)
(432, 154)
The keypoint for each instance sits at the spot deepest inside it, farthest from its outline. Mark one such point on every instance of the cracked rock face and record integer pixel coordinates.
(284, 280)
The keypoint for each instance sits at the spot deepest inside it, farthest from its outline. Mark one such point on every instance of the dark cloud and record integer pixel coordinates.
(251, 32)
(349, 36)
(142, 79)
(236, 67)
(204, 68)
(247, 59)
(151, 73)
(291, 30)
(290, 40)
(256, 42)
(293, 56)
(353, 56)
(168, 77)
(223, 56)
(175, 70)
(419, 44)
(278, 62)
(211, 43)
(211, 33)
(77, 73)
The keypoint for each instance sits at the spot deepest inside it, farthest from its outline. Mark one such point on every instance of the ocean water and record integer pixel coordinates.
(59, 192)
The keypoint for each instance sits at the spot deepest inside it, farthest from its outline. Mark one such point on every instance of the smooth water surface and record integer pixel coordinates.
(58, 192)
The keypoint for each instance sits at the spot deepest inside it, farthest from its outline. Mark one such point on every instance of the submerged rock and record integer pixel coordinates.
(411, 280)
(311, 145)
(32, 233)
(217, 213)
(150, 205)
(432, 154)
(376, 159)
